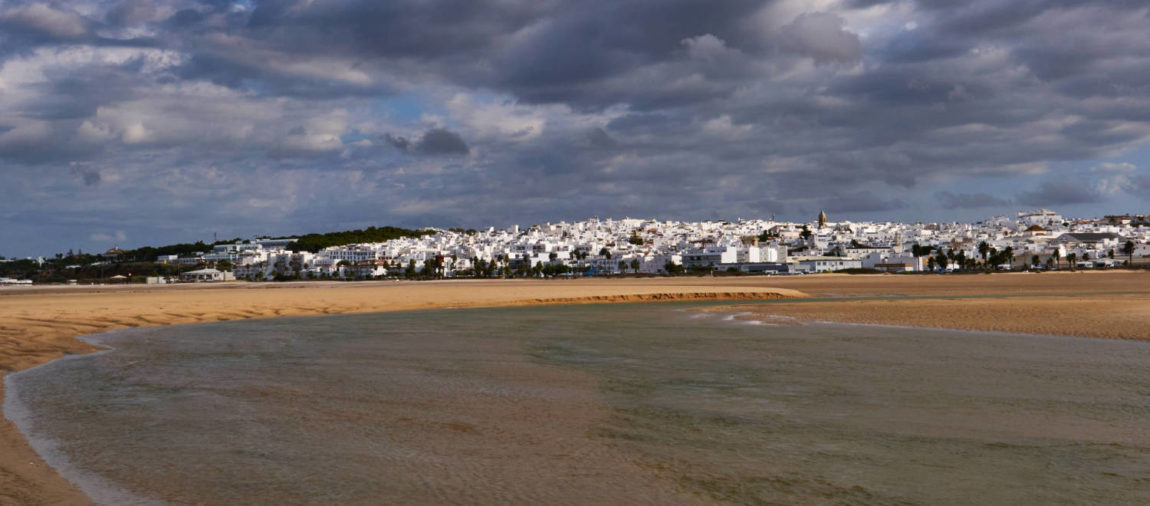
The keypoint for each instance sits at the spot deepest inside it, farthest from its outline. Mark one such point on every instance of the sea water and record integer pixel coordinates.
(618, 404)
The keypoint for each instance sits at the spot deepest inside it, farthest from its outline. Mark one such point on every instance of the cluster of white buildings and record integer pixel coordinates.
(609, 246)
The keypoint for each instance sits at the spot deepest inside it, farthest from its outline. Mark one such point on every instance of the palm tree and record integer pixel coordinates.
(984, 250)
(1057, 255)
(941, 261)
(1128, 249)
(1070, 258)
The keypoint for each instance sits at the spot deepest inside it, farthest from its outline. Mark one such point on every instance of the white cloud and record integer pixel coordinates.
(506, 120)
(1115, 177)
(723, 128)
(245, 52)
(1112, 167)
(135, 133)
(94, 132)
(821, 36)
(706, 47)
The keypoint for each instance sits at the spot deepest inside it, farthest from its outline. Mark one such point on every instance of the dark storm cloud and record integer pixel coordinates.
(87, 175)
(440, 141)
(400, 143)
(278, 110)
(79, 92)
(28, 25)
(436, 141)
(596, 53)
(541, 51)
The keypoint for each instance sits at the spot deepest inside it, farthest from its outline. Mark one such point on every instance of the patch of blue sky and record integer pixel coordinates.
(1139, 157)
(403, 109)
(255, 86)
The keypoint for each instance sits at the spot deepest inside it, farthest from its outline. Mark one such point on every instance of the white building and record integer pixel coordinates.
(811, 264)
(206, 276)
(1043, 217)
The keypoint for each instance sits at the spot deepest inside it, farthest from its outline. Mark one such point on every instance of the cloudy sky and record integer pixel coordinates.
(145, 122)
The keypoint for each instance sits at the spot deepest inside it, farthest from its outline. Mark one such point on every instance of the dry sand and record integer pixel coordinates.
(40, 324)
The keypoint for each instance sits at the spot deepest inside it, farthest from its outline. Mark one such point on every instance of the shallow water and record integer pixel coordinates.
(616, 404)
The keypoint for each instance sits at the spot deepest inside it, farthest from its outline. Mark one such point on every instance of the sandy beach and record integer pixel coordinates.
(41, 324)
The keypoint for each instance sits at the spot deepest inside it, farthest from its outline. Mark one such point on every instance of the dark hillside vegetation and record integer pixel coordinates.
(316, 242)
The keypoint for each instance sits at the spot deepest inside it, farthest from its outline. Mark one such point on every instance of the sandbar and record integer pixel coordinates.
(1111, 304)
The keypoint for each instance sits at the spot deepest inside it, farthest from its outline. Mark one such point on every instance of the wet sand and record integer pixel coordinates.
(40, 324)
(1114, 305)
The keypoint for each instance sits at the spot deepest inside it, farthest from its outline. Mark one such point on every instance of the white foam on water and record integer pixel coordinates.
(732, 317)
(16, 409)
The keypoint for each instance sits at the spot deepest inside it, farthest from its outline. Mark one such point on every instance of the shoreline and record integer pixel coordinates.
(29, 340)
(16, 411)
(40, 324)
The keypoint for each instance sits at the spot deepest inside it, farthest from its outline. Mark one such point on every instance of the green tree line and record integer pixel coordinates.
(316, 242)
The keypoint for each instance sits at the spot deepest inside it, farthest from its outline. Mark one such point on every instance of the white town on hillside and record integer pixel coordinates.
(1041, 239)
